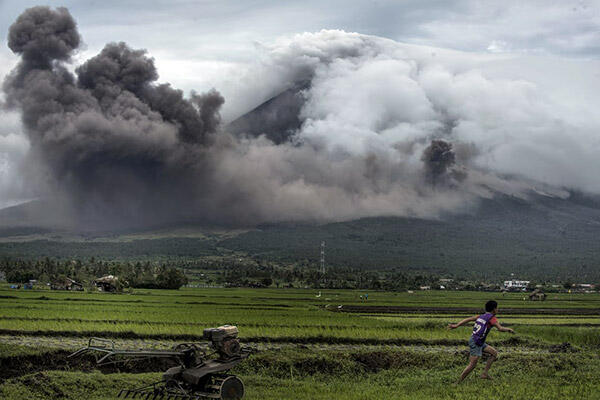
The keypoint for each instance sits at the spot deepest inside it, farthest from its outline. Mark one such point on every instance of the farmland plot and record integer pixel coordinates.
(395, 345)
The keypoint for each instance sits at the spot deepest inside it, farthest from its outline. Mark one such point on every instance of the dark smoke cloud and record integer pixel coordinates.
(115, 148)
(112, 141)
(119, 69)
(438, 158)
(41, 35)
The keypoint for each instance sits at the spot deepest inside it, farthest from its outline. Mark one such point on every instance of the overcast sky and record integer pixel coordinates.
(199, 44)
(209, 43)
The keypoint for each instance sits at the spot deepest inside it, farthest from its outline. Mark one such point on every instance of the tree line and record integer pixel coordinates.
(136, 275)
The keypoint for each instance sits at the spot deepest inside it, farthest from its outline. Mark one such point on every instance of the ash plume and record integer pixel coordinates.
(112, 147)
(438, 158)
(112, 141)
(41, 35)
(119, 69)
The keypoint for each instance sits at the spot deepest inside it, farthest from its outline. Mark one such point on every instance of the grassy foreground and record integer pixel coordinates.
(352, 375)
(310, 349)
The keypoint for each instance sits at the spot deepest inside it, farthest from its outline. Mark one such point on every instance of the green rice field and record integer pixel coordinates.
(310, 344)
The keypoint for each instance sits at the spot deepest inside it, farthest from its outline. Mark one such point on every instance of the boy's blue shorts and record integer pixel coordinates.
(474, 349)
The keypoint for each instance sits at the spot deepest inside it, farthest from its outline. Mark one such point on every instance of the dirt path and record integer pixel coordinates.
(364, 309)
(52, 353)
(73, 343)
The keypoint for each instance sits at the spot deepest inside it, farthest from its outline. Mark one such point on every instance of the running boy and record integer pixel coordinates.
(481, 328)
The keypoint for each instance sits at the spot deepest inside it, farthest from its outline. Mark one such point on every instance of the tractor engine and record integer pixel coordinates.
(224, 341)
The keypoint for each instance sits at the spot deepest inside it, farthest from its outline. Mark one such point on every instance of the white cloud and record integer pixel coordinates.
(529, 116)
(553, 27)
(498, 46)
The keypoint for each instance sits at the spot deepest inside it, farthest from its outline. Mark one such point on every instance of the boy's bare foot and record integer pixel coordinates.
(486, 376)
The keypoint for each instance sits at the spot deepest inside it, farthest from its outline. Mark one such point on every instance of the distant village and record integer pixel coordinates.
(536, 290)
(113, 283)
(108, 283)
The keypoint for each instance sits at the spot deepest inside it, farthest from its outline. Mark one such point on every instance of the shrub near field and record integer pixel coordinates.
(324, 353)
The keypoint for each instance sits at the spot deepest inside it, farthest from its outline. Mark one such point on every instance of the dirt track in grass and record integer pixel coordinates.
(364, 309)
(310, 360)
(324, 340)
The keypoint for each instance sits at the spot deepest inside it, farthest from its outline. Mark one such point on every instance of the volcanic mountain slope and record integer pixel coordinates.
(277, 118)
(536, 233)
(540, 237)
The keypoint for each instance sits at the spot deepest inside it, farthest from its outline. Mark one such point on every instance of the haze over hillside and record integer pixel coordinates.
(538, 238)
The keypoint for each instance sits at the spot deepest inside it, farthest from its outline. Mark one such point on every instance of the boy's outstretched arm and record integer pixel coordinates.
(464, 321)
(502, 328)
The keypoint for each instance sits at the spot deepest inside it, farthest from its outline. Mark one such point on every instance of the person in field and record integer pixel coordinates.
(477, 346)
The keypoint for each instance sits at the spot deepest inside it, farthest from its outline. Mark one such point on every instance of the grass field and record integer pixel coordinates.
(395, 345)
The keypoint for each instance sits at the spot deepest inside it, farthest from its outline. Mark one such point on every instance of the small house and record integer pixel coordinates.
(66, 284)
(108, 283)
(514, 285)
(537, 295)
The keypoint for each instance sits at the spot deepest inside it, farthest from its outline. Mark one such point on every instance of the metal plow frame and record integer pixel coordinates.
(114, 356)
(160, 391)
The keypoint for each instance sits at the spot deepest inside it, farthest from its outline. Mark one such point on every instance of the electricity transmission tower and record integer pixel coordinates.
(323, 258)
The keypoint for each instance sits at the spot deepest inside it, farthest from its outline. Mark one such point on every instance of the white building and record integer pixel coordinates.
(516, 285)
(585, 285)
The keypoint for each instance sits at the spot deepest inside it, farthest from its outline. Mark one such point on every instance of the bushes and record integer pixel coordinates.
(137, 275)
(170, 278)
(166, 278)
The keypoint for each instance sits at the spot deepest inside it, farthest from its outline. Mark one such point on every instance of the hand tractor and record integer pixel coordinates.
(201, 371)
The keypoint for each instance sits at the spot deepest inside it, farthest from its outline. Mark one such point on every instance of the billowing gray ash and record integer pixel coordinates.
(112, 147)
